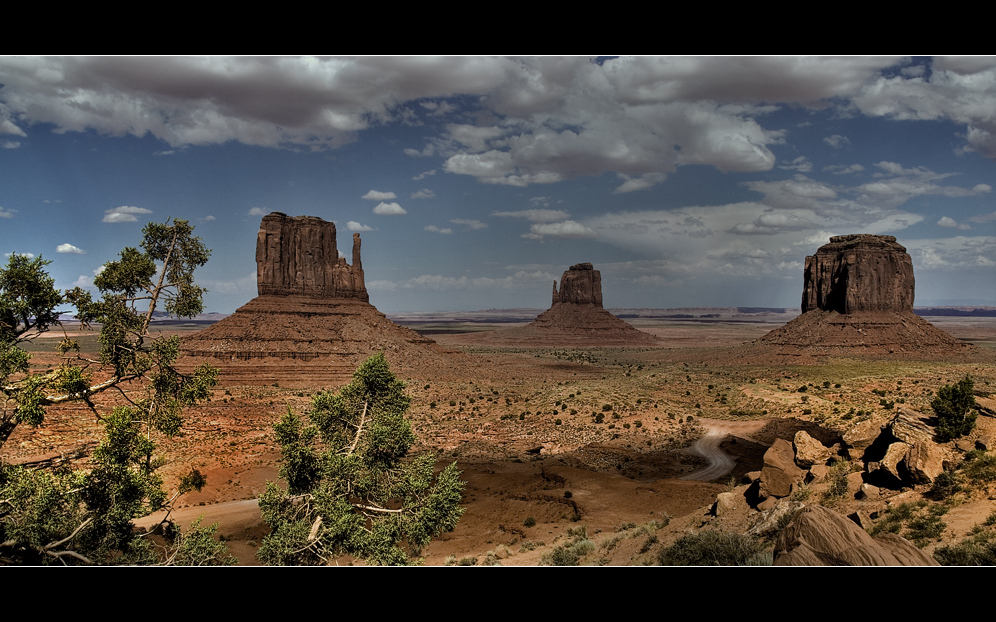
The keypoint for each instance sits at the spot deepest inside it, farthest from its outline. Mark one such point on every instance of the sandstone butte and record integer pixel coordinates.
(312, 318)
(575, 318)
(857, 297)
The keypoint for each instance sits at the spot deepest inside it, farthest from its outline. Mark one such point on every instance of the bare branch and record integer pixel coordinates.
(359, 429)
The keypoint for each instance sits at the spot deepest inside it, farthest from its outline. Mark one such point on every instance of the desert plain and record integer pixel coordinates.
(631, 443)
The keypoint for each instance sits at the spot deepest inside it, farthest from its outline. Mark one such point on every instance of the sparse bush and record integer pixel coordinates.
(945, 485)
(955, 409)
(979, 467)
(713, 548)
(529, 522)
(978, 549)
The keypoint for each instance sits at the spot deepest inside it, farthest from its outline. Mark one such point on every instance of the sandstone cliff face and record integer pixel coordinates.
(860, 272)
(298, 256)
(581, 285)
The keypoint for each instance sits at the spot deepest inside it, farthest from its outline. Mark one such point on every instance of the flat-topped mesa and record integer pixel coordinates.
(860, 272)
(298, 256)
(580, 285)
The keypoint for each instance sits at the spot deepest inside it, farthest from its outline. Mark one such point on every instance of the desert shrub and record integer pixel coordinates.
(955, 409)
(568, 554)
(838, 481)
(529, 522)
(976, 550)
(713, 548)
(946, 485)
(467, 561)
(526, 546)
(606, 407)
(979, 467)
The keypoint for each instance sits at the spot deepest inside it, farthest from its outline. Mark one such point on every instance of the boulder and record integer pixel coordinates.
(779, 473)
(860, 437)
(820, 537)
(808, 450)
(859, 272)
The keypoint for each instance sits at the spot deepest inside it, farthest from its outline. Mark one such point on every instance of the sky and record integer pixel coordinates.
(476, 181)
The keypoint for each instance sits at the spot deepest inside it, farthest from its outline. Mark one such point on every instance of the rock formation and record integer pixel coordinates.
(821, 537)
(860, 272)
(858, 297)
(312, 320)
(575, 318)
(298, 256)
(580, 285)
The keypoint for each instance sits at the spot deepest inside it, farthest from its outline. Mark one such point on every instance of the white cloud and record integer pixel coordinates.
(951, 223)
(125, 213)
(473, 224)
(83, 281)
(69, 248)
(424, 193)
(842, 169)
(258, 211)
(423, 175)
(436, 229)
(376, 195)
(837, 141)
(7, 213)
(10, 144)
(389, 209)
(535, 215)
(566, 229)
(209, 218)
(800, 164)
(352, 225)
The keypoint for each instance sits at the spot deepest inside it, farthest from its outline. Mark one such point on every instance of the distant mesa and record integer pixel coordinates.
(858, 297)
(312, 319)
(575, 318)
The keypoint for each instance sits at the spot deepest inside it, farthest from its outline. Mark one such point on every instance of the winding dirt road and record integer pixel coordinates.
(708, 446)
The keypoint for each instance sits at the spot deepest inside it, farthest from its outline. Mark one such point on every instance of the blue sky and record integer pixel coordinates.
(476, 181)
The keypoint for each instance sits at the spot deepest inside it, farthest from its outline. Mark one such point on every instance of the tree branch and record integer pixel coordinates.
(359, 429)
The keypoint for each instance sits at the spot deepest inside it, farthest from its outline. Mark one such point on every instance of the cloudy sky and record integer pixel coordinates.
(475, 182)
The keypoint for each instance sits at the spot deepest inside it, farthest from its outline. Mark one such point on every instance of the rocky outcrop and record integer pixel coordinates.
(298, 256)
(858, 299)
(821, 537)
(859, 272)
(580, 285)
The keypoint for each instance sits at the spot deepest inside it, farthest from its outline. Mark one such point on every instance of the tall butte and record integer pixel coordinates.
(858, 297)
(312, 319)
(575, 318)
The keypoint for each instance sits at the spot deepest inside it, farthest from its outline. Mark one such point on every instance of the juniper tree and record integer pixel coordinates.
(955, 409)
(74, 516)
(352, 488)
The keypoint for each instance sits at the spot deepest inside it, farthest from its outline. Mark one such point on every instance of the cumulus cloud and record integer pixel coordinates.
(258, 211)
(837, 141)
(209, 218)
(125, 213)
(376, 195)
(7, 213)
(424, 193)
(69, 248)
(389, 209)
(951, 223)
(352, 225)
(436, 229)
(843, 169)
(800, 164)
(10, 144)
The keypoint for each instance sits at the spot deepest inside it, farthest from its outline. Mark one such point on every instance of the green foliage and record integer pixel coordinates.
(714, 548)
(979, 467)
(72, 517)
(571, 552)
(352, 487)
(978, 549)
(197, 547)
(955, 409)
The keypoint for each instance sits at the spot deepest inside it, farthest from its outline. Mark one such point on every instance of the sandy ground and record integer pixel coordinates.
(664, 451)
